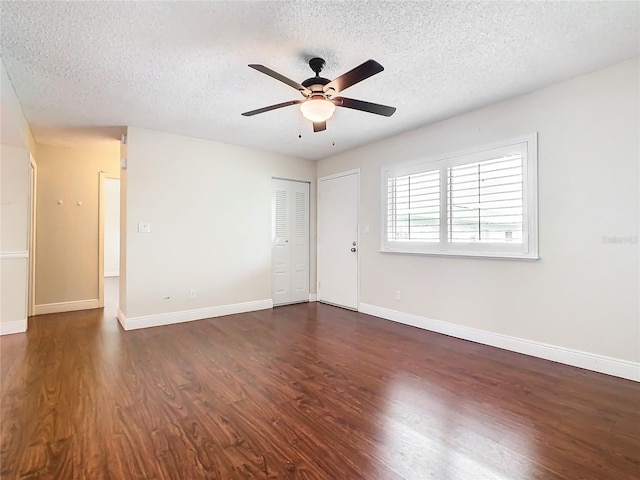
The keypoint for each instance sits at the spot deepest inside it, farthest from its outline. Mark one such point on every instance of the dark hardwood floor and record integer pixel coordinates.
(306, 391)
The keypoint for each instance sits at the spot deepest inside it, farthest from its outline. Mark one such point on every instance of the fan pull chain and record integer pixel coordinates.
(334, 129)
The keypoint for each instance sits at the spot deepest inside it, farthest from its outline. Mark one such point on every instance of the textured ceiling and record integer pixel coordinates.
(82, 70)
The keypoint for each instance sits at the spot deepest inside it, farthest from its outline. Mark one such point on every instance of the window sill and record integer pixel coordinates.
(488, 255)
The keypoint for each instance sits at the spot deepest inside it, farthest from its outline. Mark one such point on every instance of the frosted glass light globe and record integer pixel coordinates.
(317, 109)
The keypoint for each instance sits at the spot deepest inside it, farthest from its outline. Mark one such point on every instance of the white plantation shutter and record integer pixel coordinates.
(413, 207)
(485, 201)
(478, 203)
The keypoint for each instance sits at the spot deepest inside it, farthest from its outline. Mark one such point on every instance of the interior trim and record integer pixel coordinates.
(61, 307)
(17, 326)
(575, 358)
(7, 255)
(156, 320)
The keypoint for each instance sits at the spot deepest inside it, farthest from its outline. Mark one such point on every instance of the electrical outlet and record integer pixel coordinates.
(192, 293)
(397, 294)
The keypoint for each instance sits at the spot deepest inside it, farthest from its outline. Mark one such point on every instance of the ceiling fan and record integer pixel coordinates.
(320, 93)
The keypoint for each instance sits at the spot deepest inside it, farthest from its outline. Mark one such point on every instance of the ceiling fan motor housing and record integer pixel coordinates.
(316, 83)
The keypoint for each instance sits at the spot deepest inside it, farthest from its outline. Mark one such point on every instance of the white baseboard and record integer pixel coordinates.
(146, 321)
(17, 326)
(313, 297)
(112, 273)
(66, 306)
(122, 318)
(576, 358)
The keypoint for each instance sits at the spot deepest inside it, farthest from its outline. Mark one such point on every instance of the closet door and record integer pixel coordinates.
(290, 241)
(300, 241)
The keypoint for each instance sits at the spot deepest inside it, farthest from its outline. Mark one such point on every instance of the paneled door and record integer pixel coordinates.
(338, 198)
(290, 241)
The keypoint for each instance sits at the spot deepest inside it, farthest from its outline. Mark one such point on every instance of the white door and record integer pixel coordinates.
(338, 239)
(290, 241)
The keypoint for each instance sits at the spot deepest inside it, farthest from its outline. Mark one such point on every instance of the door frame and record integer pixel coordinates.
(33, 195)
(355, 171)
(101, 204)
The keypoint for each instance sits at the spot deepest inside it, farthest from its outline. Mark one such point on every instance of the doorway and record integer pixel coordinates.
(338, 199)
(109, 254)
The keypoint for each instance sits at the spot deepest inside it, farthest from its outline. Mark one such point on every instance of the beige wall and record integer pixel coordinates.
(16, 141)
(67, 233)
(209, 206)
(583, 293)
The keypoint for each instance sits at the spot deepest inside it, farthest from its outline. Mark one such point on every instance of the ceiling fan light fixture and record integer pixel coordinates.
(317, 109)
(320, 100)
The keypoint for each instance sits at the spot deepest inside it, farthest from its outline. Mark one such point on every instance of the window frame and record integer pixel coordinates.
(527, 145)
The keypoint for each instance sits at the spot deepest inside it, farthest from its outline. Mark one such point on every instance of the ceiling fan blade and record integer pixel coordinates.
(361, 72)
(364, 106)
(271, 107)
(267, 71)
(319, 126)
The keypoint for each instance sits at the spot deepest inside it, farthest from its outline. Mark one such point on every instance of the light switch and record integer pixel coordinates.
(367, 229)
(144, 227)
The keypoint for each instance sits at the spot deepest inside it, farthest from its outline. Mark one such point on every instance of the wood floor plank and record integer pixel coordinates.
(301, 392)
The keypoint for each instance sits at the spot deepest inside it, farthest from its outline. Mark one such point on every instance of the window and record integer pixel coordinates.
(478, 203)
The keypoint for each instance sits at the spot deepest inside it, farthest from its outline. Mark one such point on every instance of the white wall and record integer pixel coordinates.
(209, 206)
(14, 191)
(14, 215)
(122, 284)
(583, 294)
(111, 227)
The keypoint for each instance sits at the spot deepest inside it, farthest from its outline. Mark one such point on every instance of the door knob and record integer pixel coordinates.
(353, 249)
